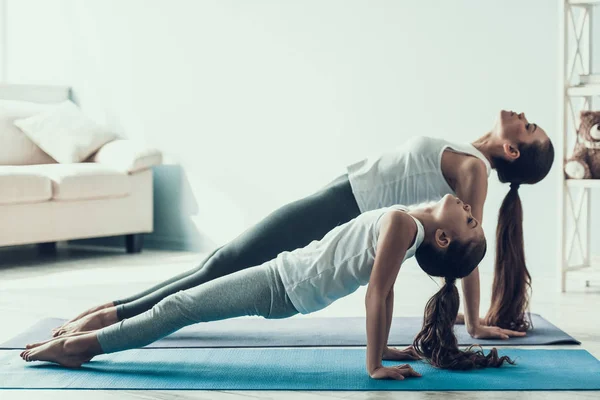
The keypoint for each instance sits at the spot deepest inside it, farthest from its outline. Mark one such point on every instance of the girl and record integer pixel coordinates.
(423, 170)
(446, 239)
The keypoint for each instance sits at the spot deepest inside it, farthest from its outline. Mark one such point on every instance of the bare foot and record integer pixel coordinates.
(69, 352)
(83, 314)
(32, 345)
(92, 322)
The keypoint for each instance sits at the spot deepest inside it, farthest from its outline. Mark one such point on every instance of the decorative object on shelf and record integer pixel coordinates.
(585, 161)
(579, 88)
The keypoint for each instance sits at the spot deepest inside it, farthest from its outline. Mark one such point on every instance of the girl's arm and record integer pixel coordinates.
(392, 353)
(472, 189)
(389, 311)
(397, 233)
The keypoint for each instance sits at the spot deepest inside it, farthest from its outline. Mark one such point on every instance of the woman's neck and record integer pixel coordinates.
(487, 146)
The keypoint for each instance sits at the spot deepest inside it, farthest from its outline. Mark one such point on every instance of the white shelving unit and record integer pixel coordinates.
(574, 199)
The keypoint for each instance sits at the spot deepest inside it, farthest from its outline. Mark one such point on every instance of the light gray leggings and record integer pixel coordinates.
(253, 291)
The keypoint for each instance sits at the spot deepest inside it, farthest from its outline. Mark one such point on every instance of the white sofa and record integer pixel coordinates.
(44, 202)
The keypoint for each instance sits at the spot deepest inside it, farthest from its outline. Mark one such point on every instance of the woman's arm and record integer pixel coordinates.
(472, 189)
(396, 234)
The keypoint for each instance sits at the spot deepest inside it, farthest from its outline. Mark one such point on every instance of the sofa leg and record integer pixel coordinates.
(47, 248)
(134, 242)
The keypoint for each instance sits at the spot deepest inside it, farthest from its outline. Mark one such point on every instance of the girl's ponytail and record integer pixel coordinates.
(437, 342)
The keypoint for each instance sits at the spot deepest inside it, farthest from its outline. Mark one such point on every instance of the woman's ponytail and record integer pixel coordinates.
(512, 281)
(437, 342)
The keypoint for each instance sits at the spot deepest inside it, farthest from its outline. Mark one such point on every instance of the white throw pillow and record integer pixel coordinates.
(65, 133)
(15, 147)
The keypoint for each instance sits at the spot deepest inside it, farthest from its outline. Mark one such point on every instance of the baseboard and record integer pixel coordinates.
(169, 243)
(151, 241)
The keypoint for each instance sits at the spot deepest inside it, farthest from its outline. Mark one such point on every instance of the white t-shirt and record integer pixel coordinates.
(335, 266)
(411, 174)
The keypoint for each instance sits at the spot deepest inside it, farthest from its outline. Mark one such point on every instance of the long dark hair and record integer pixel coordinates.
(436, 341)
(512, 281)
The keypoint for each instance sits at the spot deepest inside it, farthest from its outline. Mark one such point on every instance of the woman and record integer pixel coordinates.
(423, 170)
(447, 240)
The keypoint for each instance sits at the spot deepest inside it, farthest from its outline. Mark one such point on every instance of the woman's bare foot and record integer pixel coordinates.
(67, 351)
(92, 322)
(32, 345)
(83, 314)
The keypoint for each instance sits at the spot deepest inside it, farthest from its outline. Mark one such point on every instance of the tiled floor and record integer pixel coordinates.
(62, 285)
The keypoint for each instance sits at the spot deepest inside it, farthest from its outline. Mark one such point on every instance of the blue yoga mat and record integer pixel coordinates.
(303, 332)
(294, 369)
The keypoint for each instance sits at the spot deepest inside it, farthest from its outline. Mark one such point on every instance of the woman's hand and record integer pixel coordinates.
(460, 319)
(393, 354)
(397, 372)
(494, 332)
(484, 331)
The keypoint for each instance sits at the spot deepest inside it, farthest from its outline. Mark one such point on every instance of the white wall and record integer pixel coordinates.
(262, 102)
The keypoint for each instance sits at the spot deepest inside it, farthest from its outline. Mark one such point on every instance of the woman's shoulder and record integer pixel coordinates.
(426, 140)
(425, 144)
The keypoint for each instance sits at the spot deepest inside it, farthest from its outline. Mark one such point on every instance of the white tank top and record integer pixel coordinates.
(411, 174)
(335, 266)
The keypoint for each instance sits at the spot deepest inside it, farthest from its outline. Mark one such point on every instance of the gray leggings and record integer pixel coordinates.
(253, 291)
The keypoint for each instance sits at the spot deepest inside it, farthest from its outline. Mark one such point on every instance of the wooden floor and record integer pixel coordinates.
(34, 287)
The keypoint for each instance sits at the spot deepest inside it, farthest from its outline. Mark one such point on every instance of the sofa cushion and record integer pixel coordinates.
(65, 133)
(84, 181)
(127, 155)
(15, 146)
(22, 184)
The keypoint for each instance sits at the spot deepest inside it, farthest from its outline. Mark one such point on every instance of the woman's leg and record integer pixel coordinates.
(254, 291)
(167, 282)
(92, 318)
(292, 226)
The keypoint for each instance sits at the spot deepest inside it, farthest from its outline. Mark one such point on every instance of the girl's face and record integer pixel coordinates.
(455, 221)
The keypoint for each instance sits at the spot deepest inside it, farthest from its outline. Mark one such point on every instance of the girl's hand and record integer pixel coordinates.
(393, 354)
(397, 372)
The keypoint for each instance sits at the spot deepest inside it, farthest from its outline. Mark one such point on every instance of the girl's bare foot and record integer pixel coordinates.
(92, 322)
(83, 314)
(68, 351)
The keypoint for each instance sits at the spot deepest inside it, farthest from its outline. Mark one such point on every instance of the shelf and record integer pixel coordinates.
(584, 90)
(583, 2)
(583, 183)
(578, 267)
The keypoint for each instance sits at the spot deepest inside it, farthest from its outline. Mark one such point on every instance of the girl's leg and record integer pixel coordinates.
(254, 291)
(292, 226)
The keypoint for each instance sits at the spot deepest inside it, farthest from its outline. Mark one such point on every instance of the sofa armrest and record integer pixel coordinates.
(127, 155)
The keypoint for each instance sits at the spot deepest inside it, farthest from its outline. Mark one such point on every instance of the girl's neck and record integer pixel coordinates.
(425, 217)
